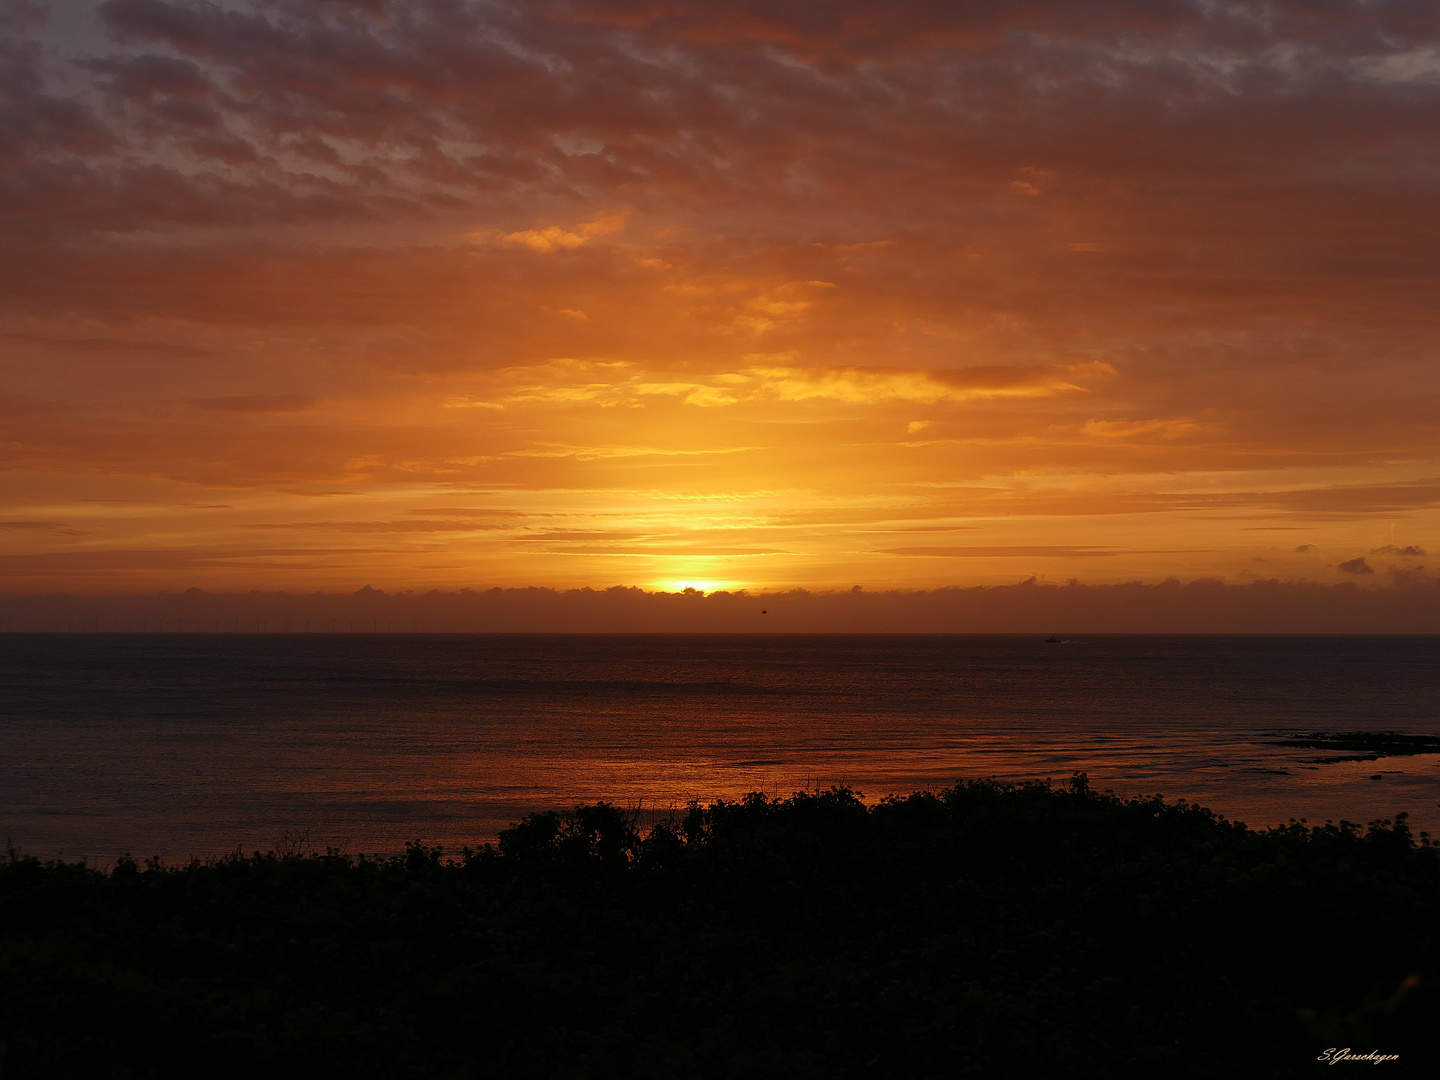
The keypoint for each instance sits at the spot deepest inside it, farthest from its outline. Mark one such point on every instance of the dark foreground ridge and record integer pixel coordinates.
(989, 930)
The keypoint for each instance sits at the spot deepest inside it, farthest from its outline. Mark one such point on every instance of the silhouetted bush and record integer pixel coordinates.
(984, 930)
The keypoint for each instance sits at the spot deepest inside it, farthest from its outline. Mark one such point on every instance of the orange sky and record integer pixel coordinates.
(304, 295)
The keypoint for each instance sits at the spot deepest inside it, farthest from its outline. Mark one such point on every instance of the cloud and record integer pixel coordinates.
(760, 383)
(1030, 607)
(38, 526)
(107, 345)
(1006, 552)
(1142, 277)
(259, 403)
(430, 104)
(1418, 65)
(1132, 429)
(1356, 565)
(408, 526)
(869, 385)
(597, 453)
(148, 77)
(554, 238)
(468, 511)
(1330, 503)
(1409, 552)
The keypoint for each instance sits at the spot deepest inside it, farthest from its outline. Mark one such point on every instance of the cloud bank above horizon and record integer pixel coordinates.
(313, 295)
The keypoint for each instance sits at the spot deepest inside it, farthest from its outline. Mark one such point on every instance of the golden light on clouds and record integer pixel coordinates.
(317, 296)
(553, 238)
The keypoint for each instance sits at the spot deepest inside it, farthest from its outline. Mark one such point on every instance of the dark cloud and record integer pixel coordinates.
(185, 560)
(34, 119)
(468, 511)
(1339, 501)
(1006, 552)
(1357, 565)
(259, 403)
(1410, 551)
(108, 346)
(36, 526)
(1199, 606)
(783, 104)
(147, 77)
(410, 526)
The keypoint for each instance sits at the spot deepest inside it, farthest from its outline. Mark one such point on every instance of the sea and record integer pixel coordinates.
(183, 746)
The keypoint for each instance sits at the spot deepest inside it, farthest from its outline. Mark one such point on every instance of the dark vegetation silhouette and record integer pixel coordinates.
(987, 930)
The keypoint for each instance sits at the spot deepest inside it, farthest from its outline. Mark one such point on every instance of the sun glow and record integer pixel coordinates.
(691, 585)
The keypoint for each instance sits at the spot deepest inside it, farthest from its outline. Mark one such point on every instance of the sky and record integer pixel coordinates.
(323, 294)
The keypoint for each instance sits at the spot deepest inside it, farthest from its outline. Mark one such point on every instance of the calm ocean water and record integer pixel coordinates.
(182, 745)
